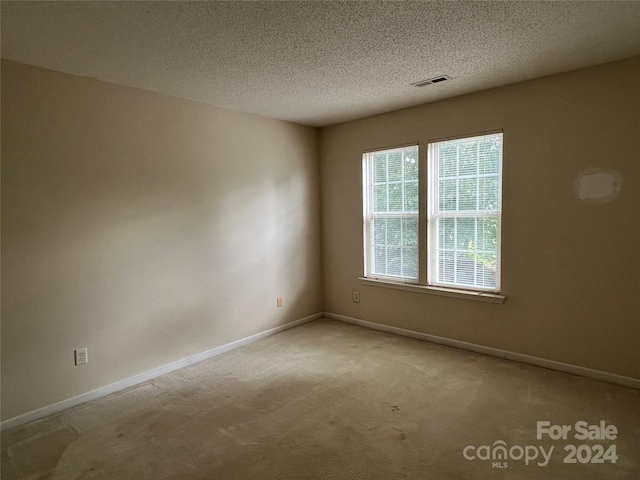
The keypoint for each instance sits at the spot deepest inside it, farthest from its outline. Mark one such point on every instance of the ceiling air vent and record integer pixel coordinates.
(429, 81)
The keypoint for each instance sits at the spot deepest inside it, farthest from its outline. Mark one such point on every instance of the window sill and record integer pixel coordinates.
(445, 292)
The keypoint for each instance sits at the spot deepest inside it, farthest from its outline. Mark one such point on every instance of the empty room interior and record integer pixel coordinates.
(304, 240)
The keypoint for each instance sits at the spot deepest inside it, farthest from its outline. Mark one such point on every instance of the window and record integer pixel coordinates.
(462, 187)
(464, 212)
(391, 213)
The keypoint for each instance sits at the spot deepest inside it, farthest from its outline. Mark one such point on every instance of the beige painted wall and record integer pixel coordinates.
(144, 227)
(571, 270)
(149, 228)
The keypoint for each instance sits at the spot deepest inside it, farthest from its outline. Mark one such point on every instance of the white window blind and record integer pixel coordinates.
(464, 213)
(390, 201)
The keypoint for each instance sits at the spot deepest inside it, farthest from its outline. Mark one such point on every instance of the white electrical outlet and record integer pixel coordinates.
(356, 296)
(81, 356)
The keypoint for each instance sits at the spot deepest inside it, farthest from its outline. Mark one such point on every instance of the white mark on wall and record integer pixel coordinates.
(598, 186)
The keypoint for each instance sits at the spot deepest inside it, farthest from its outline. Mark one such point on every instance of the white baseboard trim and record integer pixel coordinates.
(143, 377)
(495, 352)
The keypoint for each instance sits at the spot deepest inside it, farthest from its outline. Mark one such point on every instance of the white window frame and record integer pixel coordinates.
(426, 230)
(434, 214)
(369, 215)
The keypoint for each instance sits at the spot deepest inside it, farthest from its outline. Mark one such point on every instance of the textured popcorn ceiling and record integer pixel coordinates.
(317, 63)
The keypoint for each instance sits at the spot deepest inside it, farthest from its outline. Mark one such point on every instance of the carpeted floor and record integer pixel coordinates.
(335, 401)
